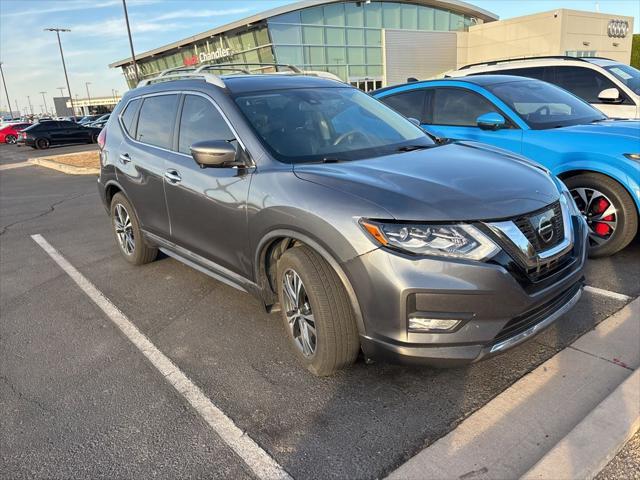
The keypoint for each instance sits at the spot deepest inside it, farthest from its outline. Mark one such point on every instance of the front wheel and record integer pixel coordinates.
(128, 234)
(316, 312)
(42, 143)
(609, 210)
(10, 139)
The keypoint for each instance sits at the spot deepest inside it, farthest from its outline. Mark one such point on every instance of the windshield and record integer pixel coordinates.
(328, 124)
(626, 74)
(542, 105)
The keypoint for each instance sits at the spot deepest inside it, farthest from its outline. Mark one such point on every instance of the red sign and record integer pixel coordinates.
(193, 60)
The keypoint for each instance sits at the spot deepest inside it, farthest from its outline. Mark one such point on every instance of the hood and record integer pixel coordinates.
(621, 129)
(453, 182)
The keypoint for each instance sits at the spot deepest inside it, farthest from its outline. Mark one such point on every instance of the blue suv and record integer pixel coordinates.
(597, 158)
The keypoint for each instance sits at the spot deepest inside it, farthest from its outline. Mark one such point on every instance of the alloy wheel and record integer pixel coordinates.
(124, 229)
(599, 212)
(299, 315)
(11, 139)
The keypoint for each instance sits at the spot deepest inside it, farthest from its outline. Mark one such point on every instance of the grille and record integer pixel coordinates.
(527, 320)
(524, 223)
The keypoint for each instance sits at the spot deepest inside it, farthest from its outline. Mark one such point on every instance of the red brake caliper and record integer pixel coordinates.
(602, 229)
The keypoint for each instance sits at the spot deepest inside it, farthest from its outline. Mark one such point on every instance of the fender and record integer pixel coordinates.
(324, 253)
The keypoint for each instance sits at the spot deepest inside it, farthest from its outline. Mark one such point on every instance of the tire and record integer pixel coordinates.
(323, 297)
(42, 143)
(11, 139)
(134, 249)
(93, 138)
(620, 233)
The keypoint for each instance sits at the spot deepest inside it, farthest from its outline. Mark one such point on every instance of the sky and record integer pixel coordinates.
(31, 59)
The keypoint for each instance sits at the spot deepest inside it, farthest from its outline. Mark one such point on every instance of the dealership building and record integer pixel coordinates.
(371, 44)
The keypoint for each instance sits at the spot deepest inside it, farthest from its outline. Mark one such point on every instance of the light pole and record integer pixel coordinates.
(17, 108)
(86, 84)
(133, 55)
(64, 67)
(29, 102)
(61, 91)
(44, 100)
(5, 90)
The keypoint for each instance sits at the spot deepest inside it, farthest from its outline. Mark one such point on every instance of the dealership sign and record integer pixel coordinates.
(202, 57)
(618, 28)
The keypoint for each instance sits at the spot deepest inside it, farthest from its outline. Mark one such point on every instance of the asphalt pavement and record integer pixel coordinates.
(78, 400)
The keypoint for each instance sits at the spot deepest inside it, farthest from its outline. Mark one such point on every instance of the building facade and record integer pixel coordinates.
(339, 36)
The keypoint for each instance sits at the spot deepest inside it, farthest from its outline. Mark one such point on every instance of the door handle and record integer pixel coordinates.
(172, 176)
(125, 158)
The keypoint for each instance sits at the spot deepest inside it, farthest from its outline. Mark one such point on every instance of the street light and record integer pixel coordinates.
(64, 67)
(29, 102)
(61, 91)
(5, 90)
(45, 101)
(133, 55)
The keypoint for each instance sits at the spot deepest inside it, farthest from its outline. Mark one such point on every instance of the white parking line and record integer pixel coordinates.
(607, 293)
(259, 461)
(11, 166)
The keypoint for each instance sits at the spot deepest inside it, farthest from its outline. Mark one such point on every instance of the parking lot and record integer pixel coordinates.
(78, 399)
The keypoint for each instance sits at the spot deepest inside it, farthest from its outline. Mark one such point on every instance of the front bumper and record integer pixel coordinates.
(498, 308)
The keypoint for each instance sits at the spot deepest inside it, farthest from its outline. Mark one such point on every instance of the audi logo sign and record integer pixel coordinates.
(618, 28)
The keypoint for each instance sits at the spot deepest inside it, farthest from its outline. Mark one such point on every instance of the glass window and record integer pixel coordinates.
(335, 36)
(374, 55)
(313, 35)
(373, 37)
(373, 15)
(442, 20)
(455, 106)
(532, 72)
(156, 120)
(200, 121)
(357, 71)
(336, 55)
(128, 116)
(291, 55)
(425, 18)
(409, 16)
(356, 56)
(354, 14)
(628, 75)
(285, 34)
(262, 36)
(410, 104)
(314, 55)
(312, 16)
(542, 105)
(583, 82)
(334, 14)
(374, 70)
(291, 17)
(391, 15)
(355, 36)
(306, 125)
(456, 22)
(252, 56)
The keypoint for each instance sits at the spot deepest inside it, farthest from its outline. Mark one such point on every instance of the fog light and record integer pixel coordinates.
(422, 324)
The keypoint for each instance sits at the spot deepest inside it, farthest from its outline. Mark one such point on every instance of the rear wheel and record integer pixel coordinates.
(316, 312)
(42, 143)
(128, 235)
(93, 138)
(609, 210)
(10, 139)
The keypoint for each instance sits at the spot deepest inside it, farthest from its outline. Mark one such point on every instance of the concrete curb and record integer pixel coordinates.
(48, 162)
(591, 445)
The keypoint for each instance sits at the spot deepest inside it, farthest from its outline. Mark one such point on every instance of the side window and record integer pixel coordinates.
(410, 104)
(200, 121)
(128, 116)
(533, 72)
(156, 120)
(582, 82)
(458, 107)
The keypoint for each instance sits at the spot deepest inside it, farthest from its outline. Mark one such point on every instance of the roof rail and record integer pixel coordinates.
(238, 66)
(519, 59)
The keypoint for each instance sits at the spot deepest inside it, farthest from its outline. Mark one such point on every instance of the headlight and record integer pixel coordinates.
(633, 156)
(568, 200)
(454, 241)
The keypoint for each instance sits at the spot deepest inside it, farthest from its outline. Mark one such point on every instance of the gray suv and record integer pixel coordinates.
(361, 229)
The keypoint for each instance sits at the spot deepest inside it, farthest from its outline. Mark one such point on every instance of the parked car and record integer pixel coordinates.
(610, 86)
(597, 158)
(9, 133)
(337, 211)
(97, 124)
(89, 118)
(72, 119)
(53, 132)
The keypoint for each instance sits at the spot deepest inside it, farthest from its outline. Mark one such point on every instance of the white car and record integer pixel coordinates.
(610, 86)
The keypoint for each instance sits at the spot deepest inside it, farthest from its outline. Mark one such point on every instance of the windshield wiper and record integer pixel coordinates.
(411, 148)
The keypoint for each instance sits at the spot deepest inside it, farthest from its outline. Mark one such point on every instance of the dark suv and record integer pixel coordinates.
(365, 232)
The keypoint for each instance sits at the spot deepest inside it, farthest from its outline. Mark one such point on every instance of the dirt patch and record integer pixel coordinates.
(81, 163)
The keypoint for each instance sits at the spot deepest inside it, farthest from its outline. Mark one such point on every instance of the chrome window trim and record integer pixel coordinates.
(178, 92)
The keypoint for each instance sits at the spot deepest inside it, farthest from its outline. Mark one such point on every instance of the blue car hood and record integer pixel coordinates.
(618, 128)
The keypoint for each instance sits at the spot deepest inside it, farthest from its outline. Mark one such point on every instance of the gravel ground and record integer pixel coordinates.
(626, 464)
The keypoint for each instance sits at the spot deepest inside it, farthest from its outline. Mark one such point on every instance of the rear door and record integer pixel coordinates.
(148, 125)
(207, 206)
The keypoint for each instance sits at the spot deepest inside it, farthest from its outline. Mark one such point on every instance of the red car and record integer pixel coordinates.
(9, 134)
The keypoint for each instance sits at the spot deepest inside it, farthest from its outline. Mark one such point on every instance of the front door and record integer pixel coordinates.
(207, 206)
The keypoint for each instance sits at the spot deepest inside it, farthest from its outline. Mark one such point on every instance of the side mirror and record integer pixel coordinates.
(415, 121)
(609, 95)
(491, 121)
(214, 153)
